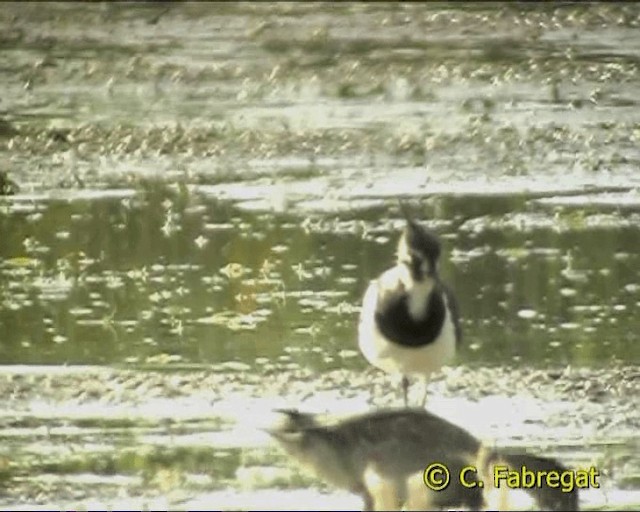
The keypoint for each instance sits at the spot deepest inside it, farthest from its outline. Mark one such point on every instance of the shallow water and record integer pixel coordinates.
(104, 280)
(206, 189)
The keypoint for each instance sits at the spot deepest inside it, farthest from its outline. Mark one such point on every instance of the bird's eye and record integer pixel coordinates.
(416, 260)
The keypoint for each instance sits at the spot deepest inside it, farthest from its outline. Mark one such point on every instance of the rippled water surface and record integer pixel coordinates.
(193, 198)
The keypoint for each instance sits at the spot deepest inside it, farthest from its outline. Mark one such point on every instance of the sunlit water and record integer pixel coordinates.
(194, 279)
(209, 193)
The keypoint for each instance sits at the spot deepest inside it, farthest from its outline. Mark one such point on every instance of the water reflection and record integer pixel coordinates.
(172, 275)
(467, 106)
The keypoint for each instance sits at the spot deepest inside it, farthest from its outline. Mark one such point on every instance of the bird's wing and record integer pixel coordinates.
(452, 301)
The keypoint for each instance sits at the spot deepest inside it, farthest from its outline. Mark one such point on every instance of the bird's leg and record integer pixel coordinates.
(405, 390)
(426, 392)
(375, 391)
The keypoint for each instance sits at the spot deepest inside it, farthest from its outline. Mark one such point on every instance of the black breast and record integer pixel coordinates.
(397, 325)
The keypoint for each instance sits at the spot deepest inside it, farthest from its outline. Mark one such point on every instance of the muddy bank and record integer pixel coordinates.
(81, 385)
(167, 433)
(484, 89)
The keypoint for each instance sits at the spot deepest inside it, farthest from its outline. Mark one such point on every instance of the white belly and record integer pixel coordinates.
(397, 359)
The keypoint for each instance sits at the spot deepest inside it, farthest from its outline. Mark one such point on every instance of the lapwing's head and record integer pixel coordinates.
(419, 249)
